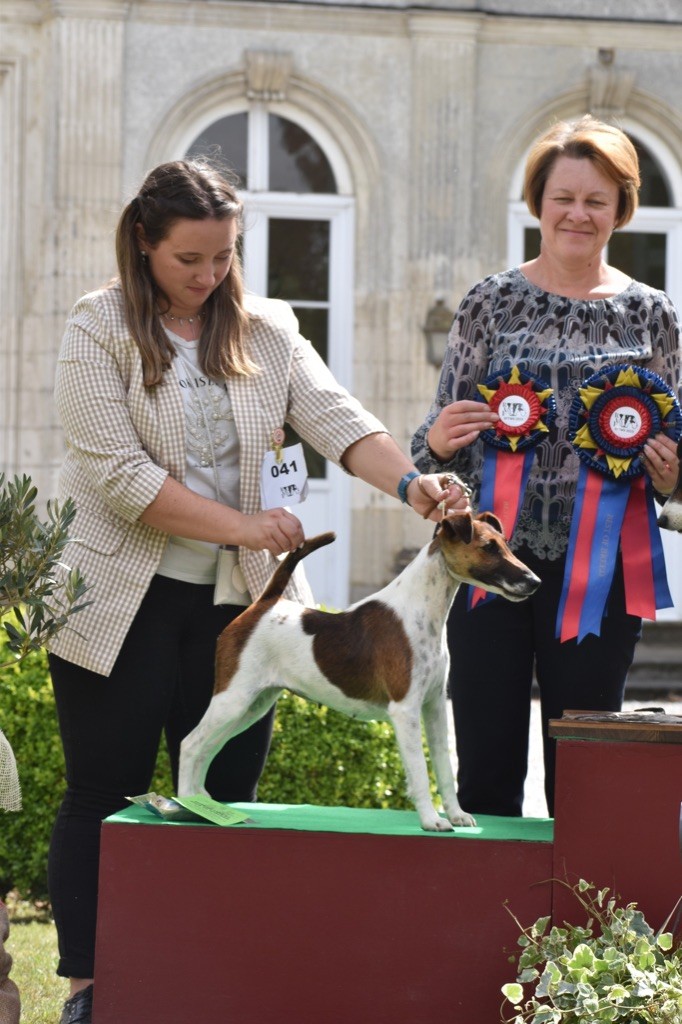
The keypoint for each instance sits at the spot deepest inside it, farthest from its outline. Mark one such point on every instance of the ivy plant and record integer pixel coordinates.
(612, 968)
(35, 601)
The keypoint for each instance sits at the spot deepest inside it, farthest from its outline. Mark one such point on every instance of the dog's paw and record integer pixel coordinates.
(436, 824)
(462, 820)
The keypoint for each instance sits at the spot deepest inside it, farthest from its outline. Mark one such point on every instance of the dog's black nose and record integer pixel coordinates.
(663, 522)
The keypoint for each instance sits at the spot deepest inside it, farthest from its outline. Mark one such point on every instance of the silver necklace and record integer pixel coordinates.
(206, 451)
(183, 319)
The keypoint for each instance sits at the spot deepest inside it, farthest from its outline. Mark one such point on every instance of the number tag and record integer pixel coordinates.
(284, 481)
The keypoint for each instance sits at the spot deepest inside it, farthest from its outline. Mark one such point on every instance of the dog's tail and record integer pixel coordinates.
(284, 570)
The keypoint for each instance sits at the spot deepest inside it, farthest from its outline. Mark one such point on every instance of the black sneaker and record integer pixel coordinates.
(78, 1009)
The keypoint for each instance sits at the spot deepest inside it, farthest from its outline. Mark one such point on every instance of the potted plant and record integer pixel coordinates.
(614, 967)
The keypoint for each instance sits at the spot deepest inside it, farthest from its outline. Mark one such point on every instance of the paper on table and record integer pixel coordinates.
(211, 810)
(190, 808)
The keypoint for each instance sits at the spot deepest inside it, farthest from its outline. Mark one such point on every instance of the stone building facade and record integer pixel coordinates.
(380, 147)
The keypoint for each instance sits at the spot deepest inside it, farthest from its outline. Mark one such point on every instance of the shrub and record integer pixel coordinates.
(318, 757)
(29, 720)
(613, 968)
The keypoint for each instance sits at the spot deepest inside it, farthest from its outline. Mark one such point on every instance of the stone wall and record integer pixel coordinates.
(433, 108)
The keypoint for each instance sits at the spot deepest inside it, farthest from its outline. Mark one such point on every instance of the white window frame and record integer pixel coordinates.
(259, 208)
(328, 503)
(258, 145)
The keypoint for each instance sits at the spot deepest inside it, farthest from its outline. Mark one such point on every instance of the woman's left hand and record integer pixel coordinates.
(661, 462)
(433, 494)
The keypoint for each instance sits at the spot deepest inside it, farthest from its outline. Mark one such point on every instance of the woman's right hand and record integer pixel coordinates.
(274, 530)
(458, 425)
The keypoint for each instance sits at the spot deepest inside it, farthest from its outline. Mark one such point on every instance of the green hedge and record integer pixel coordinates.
(29, 720)
(317, 757)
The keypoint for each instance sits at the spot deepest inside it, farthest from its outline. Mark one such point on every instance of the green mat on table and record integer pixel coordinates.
(309, 818)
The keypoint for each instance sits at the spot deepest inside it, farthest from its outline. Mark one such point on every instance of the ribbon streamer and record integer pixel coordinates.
(503, 485)
(612, 417)
(592, 551)
(526, 409)
(646, 584)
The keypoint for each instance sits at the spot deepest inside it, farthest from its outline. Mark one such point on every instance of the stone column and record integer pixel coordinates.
(83, 56)
(12, 98)
(444, 89)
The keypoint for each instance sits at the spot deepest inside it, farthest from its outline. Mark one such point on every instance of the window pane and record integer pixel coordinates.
(298, 259)
(313, 325)
(654, 189)
(641, 255)
(531, 244)
(297, 164)
(315, 463)
(225, 139)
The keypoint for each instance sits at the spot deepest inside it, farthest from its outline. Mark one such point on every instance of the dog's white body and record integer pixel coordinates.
(671, 515)
(385, 658)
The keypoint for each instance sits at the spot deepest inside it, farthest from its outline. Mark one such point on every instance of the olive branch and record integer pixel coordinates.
(38, 593)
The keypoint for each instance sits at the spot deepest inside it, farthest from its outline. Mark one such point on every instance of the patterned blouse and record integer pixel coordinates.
(504, 321)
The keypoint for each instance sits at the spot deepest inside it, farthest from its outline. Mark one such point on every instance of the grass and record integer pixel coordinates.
(33, 945)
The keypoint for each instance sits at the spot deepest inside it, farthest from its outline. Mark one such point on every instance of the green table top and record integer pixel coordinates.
(309, 818)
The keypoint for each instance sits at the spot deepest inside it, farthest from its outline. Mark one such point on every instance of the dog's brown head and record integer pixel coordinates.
(476, 552)
(671, 516)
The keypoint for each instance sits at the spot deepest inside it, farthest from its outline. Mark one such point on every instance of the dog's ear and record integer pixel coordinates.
(491, 519)
(460, 525)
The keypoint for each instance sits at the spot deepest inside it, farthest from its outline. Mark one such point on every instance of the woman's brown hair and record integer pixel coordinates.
(172, 191)
(606, 146)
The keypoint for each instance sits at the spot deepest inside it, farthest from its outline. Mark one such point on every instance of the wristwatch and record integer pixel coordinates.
(404, 483)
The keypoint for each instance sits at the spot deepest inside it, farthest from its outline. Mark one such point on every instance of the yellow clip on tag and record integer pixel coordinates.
(277, 443)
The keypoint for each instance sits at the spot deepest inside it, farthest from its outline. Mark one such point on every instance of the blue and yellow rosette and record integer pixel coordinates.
(613, 415)
(526, 409)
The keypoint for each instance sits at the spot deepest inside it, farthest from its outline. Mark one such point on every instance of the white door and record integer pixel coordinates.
(299, 248)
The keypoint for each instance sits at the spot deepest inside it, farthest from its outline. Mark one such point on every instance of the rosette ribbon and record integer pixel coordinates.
(611, 418)
(526, 409)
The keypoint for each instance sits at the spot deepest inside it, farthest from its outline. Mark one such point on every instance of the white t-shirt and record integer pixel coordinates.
(212, 447)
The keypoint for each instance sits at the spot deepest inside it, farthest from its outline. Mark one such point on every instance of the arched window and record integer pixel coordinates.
(641, 253)
(655, 190)
(294, 161)
(298, 246)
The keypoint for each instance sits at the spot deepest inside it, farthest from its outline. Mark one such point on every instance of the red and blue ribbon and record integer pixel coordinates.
(611, 418)
(526, 409)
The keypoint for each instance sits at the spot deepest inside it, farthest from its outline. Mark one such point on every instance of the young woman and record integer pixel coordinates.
(172, 387)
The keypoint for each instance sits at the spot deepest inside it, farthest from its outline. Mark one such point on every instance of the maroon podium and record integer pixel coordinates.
(618, 799)
(291, 921)
(313, 915)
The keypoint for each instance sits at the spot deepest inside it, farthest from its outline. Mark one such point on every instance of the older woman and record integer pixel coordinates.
(560, 317)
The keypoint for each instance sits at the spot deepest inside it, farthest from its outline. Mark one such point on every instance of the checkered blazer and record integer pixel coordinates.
(123, 440)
